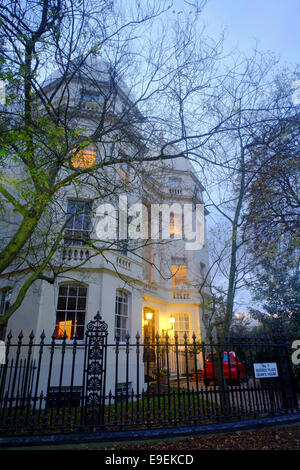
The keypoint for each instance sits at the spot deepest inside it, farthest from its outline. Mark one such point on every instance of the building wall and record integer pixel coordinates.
(175, 183)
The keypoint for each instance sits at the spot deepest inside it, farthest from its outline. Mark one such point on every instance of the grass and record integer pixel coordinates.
(148, 409)
(171, 407)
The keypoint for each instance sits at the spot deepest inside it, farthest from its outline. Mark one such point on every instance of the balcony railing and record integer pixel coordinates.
(72, 253)
(123, 263)
(181, 293)
(175, 191)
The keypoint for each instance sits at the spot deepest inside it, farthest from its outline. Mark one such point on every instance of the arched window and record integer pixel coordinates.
(121, 315)
(71, 310)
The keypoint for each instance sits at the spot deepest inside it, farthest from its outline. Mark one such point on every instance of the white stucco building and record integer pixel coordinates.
(140, 287)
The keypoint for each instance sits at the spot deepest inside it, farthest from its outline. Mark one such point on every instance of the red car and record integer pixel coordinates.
(234, 374)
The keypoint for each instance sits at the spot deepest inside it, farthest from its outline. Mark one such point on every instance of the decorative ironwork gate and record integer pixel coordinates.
(46, 387)
(95, 371)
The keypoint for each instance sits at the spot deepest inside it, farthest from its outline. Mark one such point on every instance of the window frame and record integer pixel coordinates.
(176, 225)
(126, 329)
(82, 160)
(181, 332)
(89, 96)
(67, 311)
(179, 274)
(73, 239)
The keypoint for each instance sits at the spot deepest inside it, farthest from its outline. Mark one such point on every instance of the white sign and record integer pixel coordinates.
(265, 370)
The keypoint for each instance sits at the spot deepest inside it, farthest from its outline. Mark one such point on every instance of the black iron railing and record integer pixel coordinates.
(88, 385)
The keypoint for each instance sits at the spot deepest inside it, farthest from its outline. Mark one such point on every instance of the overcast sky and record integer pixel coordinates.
(271, 25)
(274, 24)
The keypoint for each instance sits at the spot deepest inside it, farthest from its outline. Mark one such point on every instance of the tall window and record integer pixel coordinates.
(70, 313)
(78, 222)
(179, 278)
(121, 315)
(175, 224)
(84, 158)
(182, 325)
(5, 298)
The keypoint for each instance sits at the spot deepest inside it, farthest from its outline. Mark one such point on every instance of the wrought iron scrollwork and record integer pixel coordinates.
(96, 344)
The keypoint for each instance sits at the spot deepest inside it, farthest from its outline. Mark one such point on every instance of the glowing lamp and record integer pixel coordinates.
(148, 315)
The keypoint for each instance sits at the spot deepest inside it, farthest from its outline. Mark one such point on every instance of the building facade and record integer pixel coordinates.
(146, 286)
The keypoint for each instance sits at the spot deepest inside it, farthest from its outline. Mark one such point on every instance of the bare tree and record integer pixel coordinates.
(93, 88)
(253, 95)
(87, 95)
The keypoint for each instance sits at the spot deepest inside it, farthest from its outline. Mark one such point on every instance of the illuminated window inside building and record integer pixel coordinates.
(179, 276)
(182, 325)
(175, 224)
(70, 313)
(84, 158)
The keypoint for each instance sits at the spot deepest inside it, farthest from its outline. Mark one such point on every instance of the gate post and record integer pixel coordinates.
(286, 377)
(95, 371)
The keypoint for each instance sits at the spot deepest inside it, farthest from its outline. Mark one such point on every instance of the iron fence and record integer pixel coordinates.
(147, 383)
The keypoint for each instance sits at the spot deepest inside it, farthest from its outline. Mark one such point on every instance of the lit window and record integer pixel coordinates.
(179, 279)
(175, 224)
(121, 315)
(182, 325)
(179, 273)
(84, 158)
(70, 313)
(5, 298)
(78, 222)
